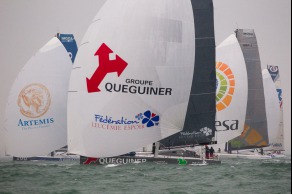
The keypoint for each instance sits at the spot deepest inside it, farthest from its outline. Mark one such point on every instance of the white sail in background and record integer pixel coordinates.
(277, 139)
(35, 120)
(2, 144)
(131, 79)
(232, 90)
(272, 107)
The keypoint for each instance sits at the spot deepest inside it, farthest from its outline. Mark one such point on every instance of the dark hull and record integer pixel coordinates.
(53, 159)
(136, 160)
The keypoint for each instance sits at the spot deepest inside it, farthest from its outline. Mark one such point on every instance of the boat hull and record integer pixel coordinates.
(140, 160)
(249, 156)
(47, 158)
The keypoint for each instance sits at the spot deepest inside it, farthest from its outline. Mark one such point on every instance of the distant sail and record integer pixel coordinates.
(232, 90)
(277, 134)
(35, 122)
(131, 77)
(256, 130)
(199, 125)
(69, 43)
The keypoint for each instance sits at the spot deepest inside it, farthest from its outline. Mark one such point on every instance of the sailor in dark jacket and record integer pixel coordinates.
(207, 152)
(212, 151)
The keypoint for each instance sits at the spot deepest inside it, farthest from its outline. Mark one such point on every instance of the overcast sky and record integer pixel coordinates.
(26, 25)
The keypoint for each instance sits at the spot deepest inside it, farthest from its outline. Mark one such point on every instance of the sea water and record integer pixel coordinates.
(232, 176)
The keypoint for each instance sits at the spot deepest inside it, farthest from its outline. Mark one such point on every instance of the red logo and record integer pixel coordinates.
(105, 66)
(90, 161)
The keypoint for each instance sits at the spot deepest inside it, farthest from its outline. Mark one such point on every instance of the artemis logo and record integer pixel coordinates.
(106, 66)
(34, 100)
(227, 125)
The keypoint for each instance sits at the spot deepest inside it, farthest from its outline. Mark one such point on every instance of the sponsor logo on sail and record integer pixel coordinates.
(139, 121)
(34, 102)
(204, 132)
(112, 63)
(207, 131)
(274, 69)
(274, 72)
(225, 86)
(67, 39)
(248, 33)
(280, 96)
(227, 125)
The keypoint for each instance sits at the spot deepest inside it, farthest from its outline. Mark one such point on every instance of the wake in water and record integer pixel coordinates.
(112, 165)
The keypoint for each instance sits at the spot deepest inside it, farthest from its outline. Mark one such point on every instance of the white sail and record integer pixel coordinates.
(131, 79)
(35, 121)
(277, 136)
(232, 90)
(272, 107)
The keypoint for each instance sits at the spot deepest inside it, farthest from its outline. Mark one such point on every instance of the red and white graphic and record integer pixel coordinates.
(105, 66)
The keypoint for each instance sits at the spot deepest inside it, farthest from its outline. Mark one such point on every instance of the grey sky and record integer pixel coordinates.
(26, 25)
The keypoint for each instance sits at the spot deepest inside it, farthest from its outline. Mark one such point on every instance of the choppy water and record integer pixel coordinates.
(233, 176)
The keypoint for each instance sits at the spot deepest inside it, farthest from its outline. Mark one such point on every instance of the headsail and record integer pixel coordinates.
(35, 123)
(256, 130)
(131, 75)
(232, 90)
(277, 133)
(199, 125)
(69, 43)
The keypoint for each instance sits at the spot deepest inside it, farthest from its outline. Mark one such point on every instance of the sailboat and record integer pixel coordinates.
(262, 108)
(133, 76)
(273, 118)
(276, 131)
(34, 120)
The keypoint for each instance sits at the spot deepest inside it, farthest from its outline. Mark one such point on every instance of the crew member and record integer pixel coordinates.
(207, 150)
(212, 151)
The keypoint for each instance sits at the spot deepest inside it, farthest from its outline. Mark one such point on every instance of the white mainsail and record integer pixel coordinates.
(131, 77)
(35, 121)
(272, 107)
(232, 90)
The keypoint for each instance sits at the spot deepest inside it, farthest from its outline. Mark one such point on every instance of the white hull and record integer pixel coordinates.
(249, 156)
(6, 159)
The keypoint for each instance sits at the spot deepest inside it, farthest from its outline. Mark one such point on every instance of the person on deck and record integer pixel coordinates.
(207, 152)
(212, 151)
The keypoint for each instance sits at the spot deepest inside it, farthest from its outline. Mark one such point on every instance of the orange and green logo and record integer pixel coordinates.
(225, 86)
